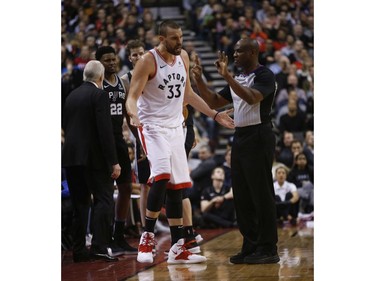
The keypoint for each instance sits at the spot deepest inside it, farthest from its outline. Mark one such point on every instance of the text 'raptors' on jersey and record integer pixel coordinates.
(157, 106)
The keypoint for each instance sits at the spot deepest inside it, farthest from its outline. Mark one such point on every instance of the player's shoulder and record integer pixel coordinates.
(147, 59)
(184, 55)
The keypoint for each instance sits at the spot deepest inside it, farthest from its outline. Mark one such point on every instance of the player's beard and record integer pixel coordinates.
(174, 51)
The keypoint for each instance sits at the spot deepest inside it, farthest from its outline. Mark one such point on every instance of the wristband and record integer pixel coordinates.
(216, 115)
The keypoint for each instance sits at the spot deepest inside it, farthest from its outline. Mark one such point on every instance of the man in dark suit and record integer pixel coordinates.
(90, 159)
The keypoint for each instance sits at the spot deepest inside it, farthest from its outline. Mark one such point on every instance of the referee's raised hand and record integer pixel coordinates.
(222, 63)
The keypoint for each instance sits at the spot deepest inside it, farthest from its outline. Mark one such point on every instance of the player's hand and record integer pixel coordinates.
(134, 121)
(116, 171)
(224, 118)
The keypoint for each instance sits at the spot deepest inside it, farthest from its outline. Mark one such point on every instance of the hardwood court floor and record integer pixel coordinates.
(296, 252)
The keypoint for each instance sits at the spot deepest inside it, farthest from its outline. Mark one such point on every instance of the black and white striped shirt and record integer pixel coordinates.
(261, 79)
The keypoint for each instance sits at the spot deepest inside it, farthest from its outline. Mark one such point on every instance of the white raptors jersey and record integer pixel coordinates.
(162, 98)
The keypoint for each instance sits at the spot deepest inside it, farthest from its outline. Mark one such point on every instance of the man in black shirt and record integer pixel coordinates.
(252, 93)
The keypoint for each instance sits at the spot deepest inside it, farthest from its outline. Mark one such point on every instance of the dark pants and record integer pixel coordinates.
(254, 196)
(285, 208)
(82, 183)
(124, 161)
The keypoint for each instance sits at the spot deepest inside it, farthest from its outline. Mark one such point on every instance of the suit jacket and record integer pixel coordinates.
(88, 131)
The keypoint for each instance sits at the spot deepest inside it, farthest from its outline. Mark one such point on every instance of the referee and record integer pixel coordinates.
(252, 93)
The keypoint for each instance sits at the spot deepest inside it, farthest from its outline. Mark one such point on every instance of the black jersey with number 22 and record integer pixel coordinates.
(116, 94)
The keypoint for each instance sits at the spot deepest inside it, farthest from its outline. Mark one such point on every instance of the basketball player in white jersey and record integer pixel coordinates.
(135, 50)
(159, 88)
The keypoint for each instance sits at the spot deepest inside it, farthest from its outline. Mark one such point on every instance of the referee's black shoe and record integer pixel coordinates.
(238, 258)
(262, 258)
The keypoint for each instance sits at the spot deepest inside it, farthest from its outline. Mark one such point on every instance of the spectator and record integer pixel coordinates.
(301, 174)
(261, 13)
(150, 40)
(303, 177)
(84, 57)
(285, 22)
(71, 78)
(134, 7)
(284, 154)
(298, 33)
(282, 76)
(131, 26)
(308, 147)
(216, 203)
(296, 148)
(267, 57)
(304, 75)
(201, 177)
(148, 21)
(294, 120)
(286, 197)
(205, 16)
(296, 57)
(282, 96)
(280, 40)
(276, 66)
(288, 50)
(284, 108)
(243, 27)
(261, 37)
(271, 22)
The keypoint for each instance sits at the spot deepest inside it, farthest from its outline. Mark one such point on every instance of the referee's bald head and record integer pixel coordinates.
(250, 44)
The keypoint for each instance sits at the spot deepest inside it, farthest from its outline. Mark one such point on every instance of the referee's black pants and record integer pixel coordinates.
(82, 183)
(254, 197)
